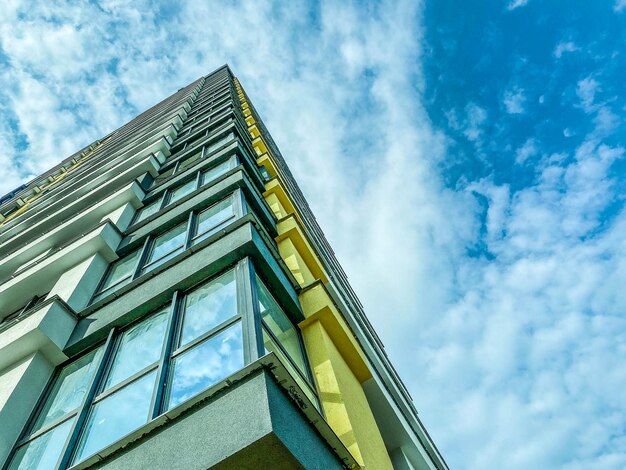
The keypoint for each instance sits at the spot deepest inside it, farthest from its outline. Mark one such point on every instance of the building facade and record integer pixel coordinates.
(168, 300)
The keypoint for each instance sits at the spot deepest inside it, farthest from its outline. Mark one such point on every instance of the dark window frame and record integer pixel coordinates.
(240, 208)
(247, 313)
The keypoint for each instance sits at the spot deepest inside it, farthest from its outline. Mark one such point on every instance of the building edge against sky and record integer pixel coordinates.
(167, 299)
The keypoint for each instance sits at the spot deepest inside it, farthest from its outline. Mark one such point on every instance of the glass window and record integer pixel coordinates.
(166, 246)
(163, 176)
(220, 142)
(213, 218)
(138, 348)
(124, 403)
(154, 365)
(44, 452)
(272, 346)
(69, 389)
(281, 327)
(188, 162)
(204, 365)
(119, 274)
(209, 306)
(117, 415)
(213, 173)
(181, 191)
(210, 346)
(148, 210)
(58, 414)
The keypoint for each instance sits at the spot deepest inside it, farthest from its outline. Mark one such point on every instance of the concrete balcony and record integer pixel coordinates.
(256, 418)
(42, 276)
(46, 328)
(20, 257)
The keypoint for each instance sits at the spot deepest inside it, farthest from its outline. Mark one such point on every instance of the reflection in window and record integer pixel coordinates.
(188, 162)
(124, 401)
(117, 415)
(119, 274)
(218, 170)
(148, 210)
(213, 219)
(57, 415)
(200, 367)
(181, 191)
(281, 337)
(212, 331)
(208, 306)
(219, 143)
(43, 452)
(166, 246)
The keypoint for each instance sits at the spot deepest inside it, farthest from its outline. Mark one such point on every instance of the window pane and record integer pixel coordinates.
(163, 176)
(43, 453)
(214, 172)
(206, 364)
(208, 306)
(69, 389)
(271, 346)
(139, 347)
(182, 191)
(148, 210)
(210, 219)
(281, 326)
(189, 161)
(168, 243)
(121, 269)
(117, 415)
(220, 142)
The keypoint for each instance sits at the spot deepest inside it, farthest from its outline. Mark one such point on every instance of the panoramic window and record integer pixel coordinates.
(282, 337)
(162, 247)
(125, 397)
(156, 364)
(201, 178)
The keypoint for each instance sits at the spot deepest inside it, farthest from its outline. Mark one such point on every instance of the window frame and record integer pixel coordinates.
(237, 201)
(164, 199)
(247, 312)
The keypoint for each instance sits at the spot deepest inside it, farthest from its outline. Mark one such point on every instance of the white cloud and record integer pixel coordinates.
(515, 359)
(526, 151)
(619, 5)
(586, 90)
(472, 127)
(514, 100)
(563, 47)
(513, 4)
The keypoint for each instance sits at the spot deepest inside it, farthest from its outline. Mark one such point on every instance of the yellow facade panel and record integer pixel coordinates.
(343, 400)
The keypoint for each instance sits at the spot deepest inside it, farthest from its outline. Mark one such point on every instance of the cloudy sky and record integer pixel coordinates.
(465, 159)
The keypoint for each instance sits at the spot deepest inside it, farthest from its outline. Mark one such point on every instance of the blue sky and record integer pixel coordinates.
(465, 160)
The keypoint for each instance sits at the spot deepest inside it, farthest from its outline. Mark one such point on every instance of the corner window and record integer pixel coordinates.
(281, 337)
(197, 340)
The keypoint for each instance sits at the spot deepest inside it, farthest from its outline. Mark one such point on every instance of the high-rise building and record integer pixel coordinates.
(168, 301)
